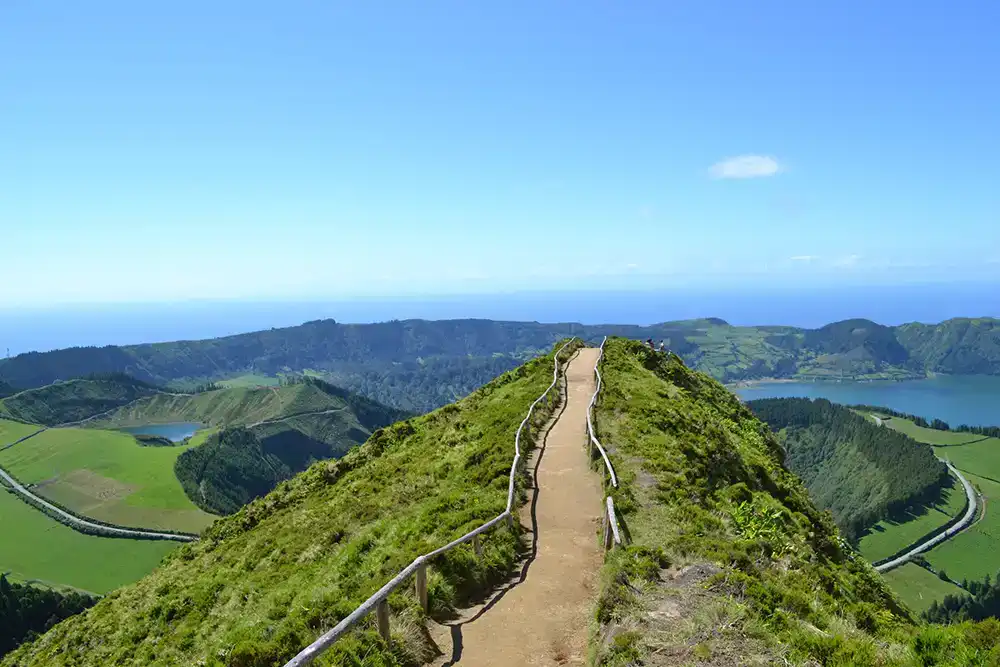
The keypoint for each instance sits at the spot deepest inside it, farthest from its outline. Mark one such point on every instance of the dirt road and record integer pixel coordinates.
(543, 617)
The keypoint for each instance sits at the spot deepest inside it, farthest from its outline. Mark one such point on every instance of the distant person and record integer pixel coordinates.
(651, 346)
(663, 346)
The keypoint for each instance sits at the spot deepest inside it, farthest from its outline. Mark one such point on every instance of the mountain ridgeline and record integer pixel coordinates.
(418, 365)
(861, 472)
(727, 560)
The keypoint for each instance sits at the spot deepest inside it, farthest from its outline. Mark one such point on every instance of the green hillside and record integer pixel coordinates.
(729, 561)
(859, 471)
(419, 365)
(264, 582)
(265, 435)
(74, 400)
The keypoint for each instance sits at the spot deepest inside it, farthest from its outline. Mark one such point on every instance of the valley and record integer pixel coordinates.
(145, 455)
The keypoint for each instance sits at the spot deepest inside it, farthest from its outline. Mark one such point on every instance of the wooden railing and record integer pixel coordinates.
(612, 536)
(379, 601)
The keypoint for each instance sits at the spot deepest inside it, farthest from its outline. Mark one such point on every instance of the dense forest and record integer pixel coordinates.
(982, 602)
(859, 471)
(420, 364)
(229, 470)
(27, 611)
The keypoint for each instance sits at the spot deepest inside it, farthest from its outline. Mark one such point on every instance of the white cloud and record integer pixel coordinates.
(848, 261)
(745, 166)
(804, 258)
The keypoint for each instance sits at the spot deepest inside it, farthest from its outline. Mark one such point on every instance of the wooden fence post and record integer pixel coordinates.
(422, 586)
(477, 546)
(607, 532)
(382, 617)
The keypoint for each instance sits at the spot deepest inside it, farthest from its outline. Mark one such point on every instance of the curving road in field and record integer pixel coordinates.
(75, 521)
(970, 514)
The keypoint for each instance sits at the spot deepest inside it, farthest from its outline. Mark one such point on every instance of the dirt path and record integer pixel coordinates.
(543, 617)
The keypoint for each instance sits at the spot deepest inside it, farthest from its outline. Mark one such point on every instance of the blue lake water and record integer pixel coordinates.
(970, 399)
(174, 432)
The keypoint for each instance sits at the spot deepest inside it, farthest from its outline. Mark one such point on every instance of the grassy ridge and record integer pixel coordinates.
(729, 560)
(264, 582)
(240, 405)
(73, 400)
(106, 475)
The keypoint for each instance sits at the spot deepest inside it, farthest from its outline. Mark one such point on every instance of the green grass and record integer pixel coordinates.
(933, 436)
(13, 431)
(250, 380)
(702, 485)
(264, 582)
(918, 588)
(33, 546)
(106, 475)
(888, 537)
(972, 554)
(239, 405)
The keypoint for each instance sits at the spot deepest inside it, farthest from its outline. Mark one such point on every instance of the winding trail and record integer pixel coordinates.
(543, 616)
(966, 520)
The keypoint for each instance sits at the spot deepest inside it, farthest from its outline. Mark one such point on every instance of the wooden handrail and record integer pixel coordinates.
(612, 536)
(377, 601)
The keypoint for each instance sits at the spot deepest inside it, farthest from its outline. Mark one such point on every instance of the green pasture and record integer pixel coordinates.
(108, 476)
(972, 554)
(888, 537)
(917, 587)
(35, 547)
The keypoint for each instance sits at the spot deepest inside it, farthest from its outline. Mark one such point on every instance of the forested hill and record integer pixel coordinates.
(859, 471)
(419, 364)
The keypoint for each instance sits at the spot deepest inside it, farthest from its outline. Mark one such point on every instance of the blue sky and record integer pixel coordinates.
(310, 150)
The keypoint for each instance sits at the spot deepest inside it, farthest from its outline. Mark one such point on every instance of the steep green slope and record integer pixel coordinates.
(266, 581)
(419, 365)
(729, 560)
(859, 471)
(74, 400)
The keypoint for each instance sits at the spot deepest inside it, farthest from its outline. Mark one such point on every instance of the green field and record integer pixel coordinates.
(249, 380)
(971, 554)
(917, 587)
(108, 476)
(37, 547)
(13, 431)
(887, 537)
(934, 436)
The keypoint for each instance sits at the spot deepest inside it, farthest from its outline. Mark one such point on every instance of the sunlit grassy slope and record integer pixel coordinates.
(729, 561)
(264, 582)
